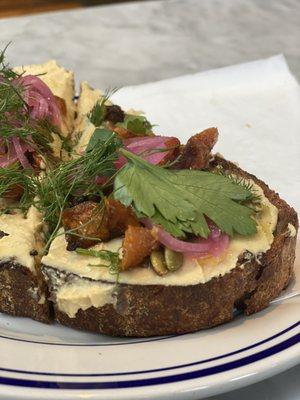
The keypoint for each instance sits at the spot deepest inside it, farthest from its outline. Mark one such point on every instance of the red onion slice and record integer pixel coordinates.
(40, 99)
(214, 245)
(8, 160)
(13, 151)
(19, 149)
(149, 148)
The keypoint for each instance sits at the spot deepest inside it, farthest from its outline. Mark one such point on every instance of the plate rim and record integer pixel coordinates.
(235, 352)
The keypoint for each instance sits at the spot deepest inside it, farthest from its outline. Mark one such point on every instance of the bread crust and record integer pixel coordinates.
(23, 293)
(150, 310)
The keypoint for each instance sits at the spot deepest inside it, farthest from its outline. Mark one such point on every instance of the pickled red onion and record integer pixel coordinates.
(15, 152)
(7, 160)
(39, 98)
(215, 244)
(20, 152)
(150, 148)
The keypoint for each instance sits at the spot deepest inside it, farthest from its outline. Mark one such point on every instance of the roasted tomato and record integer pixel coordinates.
(92, 220)
(119, 217)
(88, 220)
(122, 132)
(174, 145)
(196, 152)
(137, 245)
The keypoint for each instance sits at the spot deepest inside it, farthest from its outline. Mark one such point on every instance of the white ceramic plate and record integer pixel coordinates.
(51, 362)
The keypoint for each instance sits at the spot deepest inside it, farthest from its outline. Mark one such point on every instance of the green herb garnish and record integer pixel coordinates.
(12, 176)
(111, 257)
(97, 115)
(137, 124)
(180, 200)
(102, 136)
(15, 117)
(74, 179)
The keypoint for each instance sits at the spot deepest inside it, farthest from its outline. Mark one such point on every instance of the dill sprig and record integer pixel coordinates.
(97, 115)
(12, 177)
(73, 179)
(111, 257)
(15, 117)
(6, 71)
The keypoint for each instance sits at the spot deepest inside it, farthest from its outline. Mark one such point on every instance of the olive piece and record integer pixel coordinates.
(158, 262)
(173, 259)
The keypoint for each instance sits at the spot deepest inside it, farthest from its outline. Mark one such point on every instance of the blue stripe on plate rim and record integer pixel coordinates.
(155, 339)
(290, 328)
(263, 354)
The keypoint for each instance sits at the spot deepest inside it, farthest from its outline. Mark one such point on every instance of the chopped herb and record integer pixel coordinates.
(73, 179)
(137, 124)
(97, 115)
(111, 257)
(15, 118)
(5, 70)
(13, 177)
(102, 136)
(180, 200)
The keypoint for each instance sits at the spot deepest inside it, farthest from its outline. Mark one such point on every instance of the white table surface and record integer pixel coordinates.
(120, 45)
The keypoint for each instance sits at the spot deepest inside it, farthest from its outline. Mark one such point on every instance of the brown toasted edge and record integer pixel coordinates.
(276, 265)
(149, 310)
(23, 293)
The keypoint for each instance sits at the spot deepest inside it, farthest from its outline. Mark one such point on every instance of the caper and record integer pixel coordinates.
(173, 259)
(158, 262)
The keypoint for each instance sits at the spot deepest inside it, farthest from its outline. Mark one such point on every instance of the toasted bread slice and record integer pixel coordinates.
(22, 290)
(159, 309)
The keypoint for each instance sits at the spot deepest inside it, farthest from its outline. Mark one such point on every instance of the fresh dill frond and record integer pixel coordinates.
(6, 71)
(12, 178)
(15, 119)
(97, 115)
(113, 259)
(73, 179)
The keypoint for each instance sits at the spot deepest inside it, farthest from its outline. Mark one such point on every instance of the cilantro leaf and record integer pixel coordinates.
(180, 200)
(137, 124)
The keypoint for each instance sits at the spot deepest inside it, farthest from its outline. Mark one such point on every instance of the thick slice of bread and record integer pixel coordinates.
(23, 293)
(148, 310)
(22, 290)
